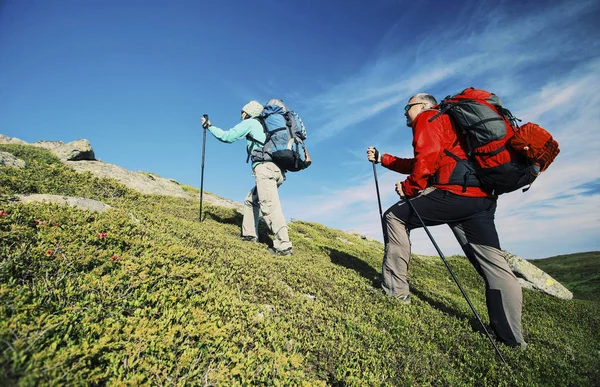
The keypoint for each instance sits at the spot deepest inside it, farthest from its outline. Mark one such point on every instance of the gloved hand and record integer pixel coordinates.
(373, 154)
(205, 122)
(399, 190)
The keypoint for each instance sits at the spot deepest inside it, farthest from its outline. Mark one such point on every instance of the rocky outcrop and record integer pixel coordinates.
(72, 151)
(11, 140)
(145, 183)
(532, 277)
(82, 203)
(9, 160)
(80, 156)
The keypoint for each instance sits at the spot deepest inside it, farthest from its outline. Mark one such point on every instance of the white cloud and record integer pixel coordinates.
(510, 55)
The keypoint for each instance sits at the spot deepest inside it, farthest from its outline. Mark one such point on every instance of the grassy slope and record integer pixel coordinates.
(580, 273)
(187, 303)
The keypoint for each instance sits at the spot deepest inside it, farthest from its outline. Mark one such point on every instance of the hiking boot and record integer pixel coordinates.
(248, 238)
(516, 347)
(283, 253)
(403, 299)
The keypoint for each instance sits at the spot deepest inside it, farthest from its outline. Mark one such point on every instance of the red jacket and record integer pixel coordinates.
(430, 139)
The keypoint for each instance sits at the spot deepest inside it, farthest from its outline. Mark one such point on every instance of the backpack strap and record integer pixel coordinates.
(443, 108)
(463, 173)
(492, 153)
(268, 134)
(514, 121)
(255, 141)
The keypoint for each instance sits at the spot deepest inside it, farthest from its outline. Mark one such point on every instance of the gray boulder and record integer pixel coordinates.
(75, 150)
(10, 160)
(72, 151)
(532, 277)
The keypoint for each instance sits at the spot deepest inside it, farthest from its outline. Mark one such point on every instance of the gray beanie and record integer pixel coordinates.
(253, 108)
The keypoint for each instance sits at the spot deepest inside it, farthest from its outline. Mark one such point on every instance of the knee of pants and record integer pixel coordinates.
(389, 218)
(249, 200)
(395, 231)
(267, 207)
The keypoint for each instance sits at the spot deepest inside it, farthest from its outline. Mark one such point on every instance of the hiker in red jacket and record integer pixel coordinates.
(444, 190)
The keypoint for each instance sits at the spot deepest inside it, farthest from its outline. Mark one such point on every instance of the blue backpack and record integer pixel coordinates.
(284, 143)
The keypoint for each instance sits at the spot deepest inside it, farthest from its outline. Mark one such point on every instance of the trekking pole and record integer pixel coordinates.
(204, 126)
(378, 198)
(412, 207)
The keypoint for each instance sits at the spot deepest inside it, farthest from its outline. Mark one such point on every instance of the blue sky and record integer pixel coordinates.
(135, 77)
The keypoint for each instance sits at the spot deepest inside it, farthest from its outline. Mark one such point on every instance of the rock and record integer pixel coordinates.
(10, 160)
(50, 145)
(11, 140)
(343, 240)
(135, 180)
(361, 236)
(83, 203)
(532, 277)
(74, 151)
(80, 156)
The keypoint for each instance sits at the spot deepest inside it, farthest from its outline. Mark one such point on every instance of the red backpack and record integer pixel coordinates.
(505, 157)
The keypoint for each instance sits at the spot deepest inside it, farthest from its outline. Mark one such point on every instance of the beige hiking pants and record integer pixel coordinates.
(265, 198)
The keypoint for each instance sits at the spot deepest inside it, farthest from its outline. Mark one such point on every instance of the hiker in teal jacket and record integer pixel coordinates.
(263, 197)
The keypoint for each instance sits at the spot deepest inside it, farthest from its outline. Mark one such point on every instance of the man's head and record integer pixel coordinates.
(251, 109)
(416, 104)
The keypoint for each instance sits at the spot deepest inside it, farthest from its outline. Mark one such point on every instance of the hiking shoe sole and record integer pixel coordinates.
(404, 299)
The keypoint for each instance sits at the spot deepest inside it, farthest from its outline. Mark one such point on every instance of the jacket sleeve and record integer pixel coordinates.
(428, 145)
(404, 166)
(237, 132)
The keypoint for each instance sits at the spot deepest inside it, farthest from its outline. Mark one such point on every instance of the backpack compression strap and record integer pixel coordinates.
(268, 134)
(254, 141)
(463, 174)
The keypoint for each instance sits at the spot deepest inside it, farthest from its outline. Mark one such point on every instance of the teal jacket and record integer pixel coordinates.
(247, 128)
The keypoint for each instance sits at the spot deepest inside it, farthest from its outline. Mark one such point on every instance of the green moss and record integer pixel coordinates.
(159, 298)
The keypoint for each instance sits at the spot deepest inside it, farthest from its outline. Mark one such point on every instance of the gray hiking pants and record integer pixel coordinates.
(472, 222)
(265, 198)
